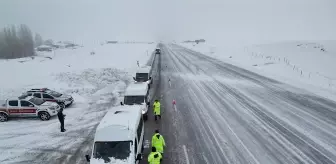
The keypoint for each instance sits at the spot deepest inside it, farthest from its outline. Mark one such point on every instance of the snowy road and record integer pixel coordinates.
(225, 115)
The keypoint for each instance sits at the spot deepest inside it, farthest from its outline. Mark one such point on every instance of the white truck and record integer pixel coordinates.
(143, 74)
(27, 107)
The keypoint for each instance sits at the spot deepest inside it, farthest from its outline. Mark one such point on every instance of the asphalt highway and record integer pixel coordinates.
(228, 115)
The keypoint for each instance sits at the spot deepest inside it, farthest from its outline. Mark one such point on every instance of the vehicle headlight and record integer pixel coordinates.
(52, 108)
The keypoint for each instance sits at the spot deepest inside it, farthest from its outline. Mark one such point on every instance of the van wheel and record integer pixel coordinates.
(44, 116)
(3, 117)
(145, 117)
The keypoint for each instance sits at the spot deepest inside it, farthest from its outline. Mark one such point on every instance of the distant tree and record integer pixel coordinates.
(27, 41)
(16, 42)
(38, 40)
(3, 44)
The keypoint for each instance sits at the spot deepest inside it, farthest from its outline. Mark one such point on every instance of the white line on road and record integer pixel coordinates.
(169, 84)
(186, 154)
(174, 106)
(146, 145)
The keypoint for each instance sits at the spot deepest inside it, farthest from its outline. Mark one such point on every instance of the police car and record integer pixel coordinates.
(49, 95)
(27, 106)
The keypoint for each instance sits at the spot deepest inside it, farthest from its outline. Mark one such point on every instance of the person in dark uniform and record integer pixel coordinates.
(61, 117)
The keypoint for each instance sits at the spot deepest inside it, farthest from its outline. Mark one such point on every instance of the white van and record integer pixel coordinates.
(138, 94)
(119, 137)
(143, 74)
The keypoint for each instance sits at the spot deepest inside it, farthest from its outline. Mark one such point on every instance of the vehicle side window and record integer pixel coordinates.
(25, 103)
(13, 103)
(46, 96)
(136, 147)
(38, 95)
(139, 130)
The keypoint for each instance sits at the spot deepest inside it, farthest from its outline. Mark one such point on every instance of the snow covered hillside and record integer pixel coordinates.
(95, 81)
(309, 65)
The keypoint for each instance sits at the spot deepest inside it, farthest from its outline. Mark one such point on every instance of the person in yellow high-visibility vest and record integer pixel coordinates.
(157, 109)
(154, 157)
(158, 141)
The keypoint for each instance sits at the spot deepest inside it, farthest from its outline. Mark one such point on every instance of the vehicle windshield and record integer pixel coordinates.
(55, 94)
(37, 101)
(24, 95)
(131, 100)
(141, 76)
(116, 149)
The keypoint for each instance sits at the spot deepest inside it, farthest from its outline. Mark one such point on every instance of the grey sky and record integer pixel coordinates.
(233, 20)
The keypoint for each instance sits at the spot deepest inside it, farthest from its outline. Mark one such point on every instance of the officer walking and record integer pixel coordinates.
(157, 110)
(158, 141)
(154, 157)
(61, 117)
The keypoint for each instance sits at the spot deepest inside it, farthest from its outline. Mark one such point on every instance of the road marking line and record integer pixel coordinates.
(169, 84)
(186, 154)
(146, 144)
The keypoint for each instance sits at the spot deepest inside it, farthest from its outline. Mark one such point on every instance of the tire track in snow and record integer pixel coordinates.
(304, 145)
(214, 134)
(274, 145)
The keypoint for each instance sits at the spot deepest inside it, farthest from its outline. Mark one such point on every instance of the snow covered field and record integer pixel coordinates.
(303, 64)
(95, 81)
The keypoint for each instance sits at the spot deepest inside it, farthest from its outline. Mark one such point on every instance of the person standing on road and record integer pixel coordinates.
(61, 117)
(154, 157)
(157, 110)
(158, 141)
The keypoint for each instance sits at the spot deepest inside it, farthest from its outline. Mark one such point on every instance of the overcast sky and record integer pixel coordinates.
(227, 20)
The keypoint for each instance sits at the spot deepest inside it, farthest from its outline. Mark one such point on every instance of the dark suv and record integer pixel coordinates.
(157, 51)
(50, 95)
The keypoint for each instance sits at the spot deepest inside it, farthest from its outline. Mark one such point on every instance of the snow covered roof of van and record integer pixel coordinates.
(119, 124)
(136, 89)
(145, 69)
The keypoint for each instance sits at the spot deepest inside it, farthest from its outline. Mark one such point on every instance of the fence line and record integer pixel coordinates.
(330, 81)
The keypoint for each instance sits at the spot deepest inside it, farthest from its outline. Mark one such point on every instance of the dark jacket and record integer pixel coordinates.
(60, 115)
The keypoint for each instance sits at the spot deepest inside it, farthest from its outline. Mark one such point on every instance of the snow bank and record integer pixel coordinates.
(303, 64)
(42, 71)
